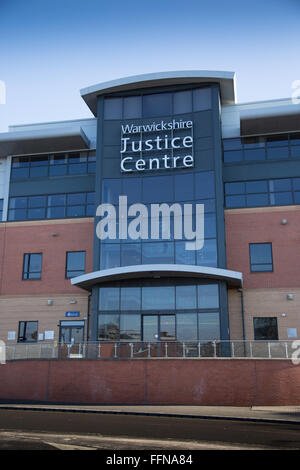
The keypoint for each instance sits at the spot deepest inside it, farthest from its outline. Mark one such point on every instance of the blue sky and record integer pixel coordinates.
(50, 49)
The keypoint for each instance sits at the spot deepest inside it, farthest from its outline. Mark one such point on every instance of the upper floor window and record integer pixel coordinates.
(75, 263)
(32, 266)
(54, 206)
(1, 210)
(158, 104)
(261, 257)
(279, 192)
(60, 164)
(257, 148)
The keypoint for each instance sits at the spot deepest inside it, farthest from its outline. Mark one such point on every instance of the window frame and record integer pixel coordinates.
(19, 328)
(66, 265)
(28, 272)
(257, 264)
(264, 318)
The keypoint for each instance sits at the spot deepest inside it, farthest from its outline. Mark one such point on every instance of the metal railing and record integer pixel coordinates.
(151, 350)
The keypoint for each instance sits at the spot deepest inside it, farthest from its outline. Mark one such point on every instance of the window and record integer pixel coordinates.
(261, 257)
(55, 206)
(257, 148)
(60, 164)
(75, 264)
(265, 328)
(1, 209)
(277, 192)
(158, 104)
(32, 266)
(28, 332)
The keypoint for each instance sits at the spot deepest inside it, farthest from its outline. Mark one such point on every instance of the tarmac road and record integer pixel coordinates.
(21, 429)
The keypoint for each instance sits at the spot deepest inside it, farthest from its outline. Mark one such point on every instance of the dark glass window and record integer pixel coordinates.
(261, 257)
(158, 252)
(157, 105)
(111, 190)
(207, 256)
(235, 188)
(255, 154)
(109, 298)
(232, 144)
(32, 266)
(277, 153)
(204, 185)
(158, 298)
(235, 201)
(132, 107)
(28, 332)
(131, 254)
(113, 108)
(256, 187)
(208, 296)
(265, 328)
(255, 200)
(158, 189)
(108, 327)
(231, 156)
(280, 185)
(110, 255)
(130, 298)
(201, 99)
(75, 263)
(130, 327)
(209, 326)
(184, 187)
(183, 256)
(132, 188)
(186, 297)
(186, 326)
(183, 102)
(281, 199)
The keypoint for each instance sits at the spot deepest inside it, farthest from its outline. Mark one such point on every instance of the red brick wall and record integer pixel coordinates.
(30, 237)
(244, 226)
(186, 382)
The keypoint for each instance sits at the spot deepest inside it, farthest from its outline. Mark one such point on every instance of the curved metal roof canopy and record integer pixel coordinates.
(226, 81)
(87, 281)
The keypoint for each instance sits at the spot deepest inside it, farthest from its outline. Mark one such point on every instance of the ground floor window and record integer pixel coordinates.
(265, 328)
(162, 310)
(159, 327)
(28, 332)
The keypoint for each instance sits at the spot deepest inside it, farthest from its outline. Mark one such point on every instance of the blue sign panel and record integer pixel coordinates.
(72, 314)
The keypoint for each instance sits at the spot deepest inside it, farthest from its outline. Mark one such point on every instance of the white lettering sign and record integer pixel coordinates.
(169, 151)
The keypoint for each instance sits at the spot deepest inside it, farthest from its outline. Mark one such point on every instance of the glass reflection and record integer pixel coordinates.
(130, 327)
(158, 298)
(186, 326)
(108, 327)
(209, 326)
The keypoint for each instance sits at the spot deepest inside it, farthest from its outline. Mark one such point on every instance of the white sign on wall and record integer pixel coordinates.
(156, 146)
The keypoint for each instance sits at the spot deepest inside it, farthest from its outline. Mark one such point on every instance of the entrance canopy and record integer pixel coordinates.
(155, 271)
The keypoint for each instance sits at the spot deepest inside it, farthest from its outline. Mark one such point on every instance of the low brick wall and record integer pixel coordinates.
(224, 382)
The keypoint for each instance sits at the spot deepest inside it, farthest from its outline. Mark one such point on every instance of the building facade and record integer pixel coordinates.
(172, 215)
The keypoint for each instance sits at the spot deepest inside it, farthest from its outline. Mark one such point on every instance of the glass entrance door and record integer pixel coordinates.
(159, 328)
(72, 332)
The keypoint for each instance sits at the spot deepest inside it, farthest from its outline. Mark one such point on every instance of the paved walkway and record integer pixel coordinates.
(290, 414)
